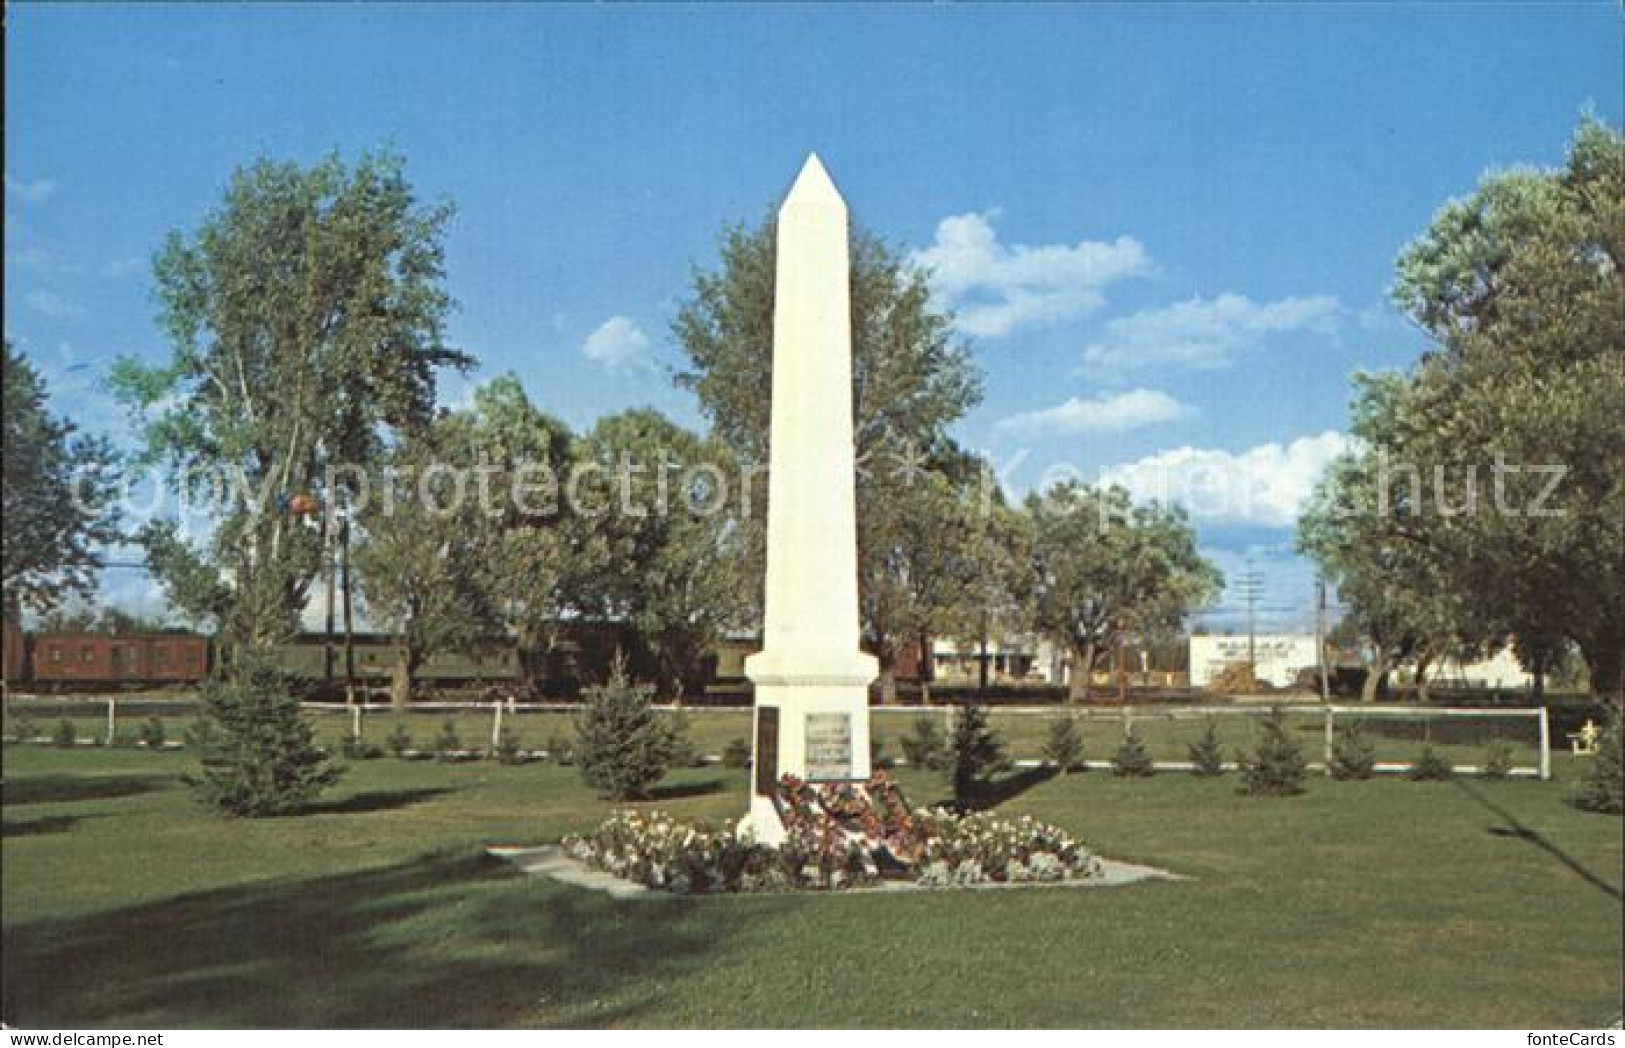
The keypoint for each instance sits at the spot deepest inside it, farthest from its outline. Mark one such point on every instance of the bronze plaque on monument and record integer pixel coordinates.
(766, 758)
(829, 746)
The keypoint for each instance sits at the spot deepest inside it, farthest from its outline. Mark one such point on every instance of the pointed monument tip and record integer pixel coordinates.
(813, 185)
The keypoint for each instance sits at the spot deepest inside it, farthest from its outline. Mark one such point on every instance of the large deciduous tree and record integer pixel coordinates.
(1509, 430)
(58, 504)
(522, 456)
(424, 552)
(1102, 565)
(305, 318)
(910, 380)
(654, 539)
(1396, 593)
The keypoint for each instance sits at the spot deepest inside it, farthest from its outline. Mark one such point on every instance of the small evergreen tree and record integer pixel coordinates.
(736, 754)
(1276, 766)
(25, 729)
(66, 737)
(974, 752)
(509, 748)
(399, 740)
(447, 745)
(152, 734)
(357, 747)
(1498, 759)
(623, 744)
(559, 750)
(1603, 787)
(1207, 756)
(1131, 759)
(200, 734)
(924, 746)
(1063, 749)
(1431, 766)
(262, 758)
(1353, 756)
(684, 754)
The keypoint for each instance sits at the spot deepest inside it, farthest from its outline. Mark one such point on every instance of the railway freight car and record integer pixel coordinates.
(83, 660)
(309, 657)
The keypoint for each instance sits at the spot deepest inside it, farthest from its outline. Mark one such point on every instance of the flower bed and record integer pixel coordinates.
(836, 838)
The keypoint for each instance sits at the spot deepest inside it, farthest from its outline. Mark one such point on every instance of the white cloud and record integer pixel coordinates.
(30, 192)
(51, 304)
(996, 288)
(1266, 485)
(1205, 333)
(619, 343)
(1131, 410)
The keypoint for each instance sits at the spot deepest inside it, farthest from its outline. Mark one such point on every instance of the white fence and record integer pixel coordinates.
(1128, 716)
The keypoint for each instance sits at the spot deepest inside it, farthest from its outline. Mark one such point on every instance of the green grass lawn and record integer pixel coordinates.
(1383, 903)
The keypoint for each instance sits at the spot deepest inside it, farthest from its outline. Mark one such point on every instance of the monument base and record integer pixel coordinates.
(812, 723)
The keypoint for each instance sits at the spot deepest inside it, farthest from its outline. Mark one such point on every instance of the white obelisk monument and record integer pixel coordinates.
(811, 677)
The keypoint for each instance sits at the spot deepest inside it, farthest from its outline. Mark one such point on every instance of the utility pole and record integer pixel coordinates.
(349, 620)
(1249, 586)
(1320, 638)
(1122, 640)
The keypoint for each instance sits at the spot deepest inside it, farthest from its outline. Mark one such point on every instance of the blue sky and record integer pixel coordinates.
(1168, 229)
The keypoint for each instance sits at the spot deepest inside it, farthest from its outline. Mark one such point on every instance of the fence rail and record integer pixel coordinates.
(1128, 716)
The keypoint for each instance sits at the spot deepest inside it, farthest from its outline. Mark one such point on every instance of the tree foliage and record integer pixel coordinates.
(1102, 564)
(58, 507)
(259, 752)
(655, 539)
(305, 318)
(1276, 766)
(1521, 287)
(1602, 787)
(423, 555)
(1063, 746)
(975, 751)
(910, 380)
(622, 743)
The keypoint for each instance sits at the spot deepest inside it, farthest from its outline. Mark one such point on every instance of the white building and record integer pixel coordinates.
(1278, 657)
(1501, 670)
(1011, 660)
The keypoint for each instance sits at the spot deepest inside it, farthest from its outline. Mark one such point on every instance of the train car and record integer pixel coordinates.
(177, 658)
(306, 658)
(99, 659)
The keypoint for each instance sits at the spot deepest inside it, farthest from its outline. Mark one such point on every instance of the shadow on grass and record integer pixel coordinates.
(1000, 789)
(37, 827)
(62, 789)
(375, 800)
(671, 791)
(444, 941)
(1517, 830)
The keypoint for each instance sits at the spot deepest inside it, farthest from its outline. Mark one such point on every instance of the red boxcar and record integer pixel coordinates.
(179, 657)
(92, 658)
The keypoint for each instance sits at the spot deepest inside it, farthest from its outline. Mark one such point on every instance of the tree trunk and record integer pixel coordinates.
(1603, 666)
(1603, 648)
(400, 680)
(888, 679)
(1373, 680)
(1423, 661)
(1083, 664)
(981, 664)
